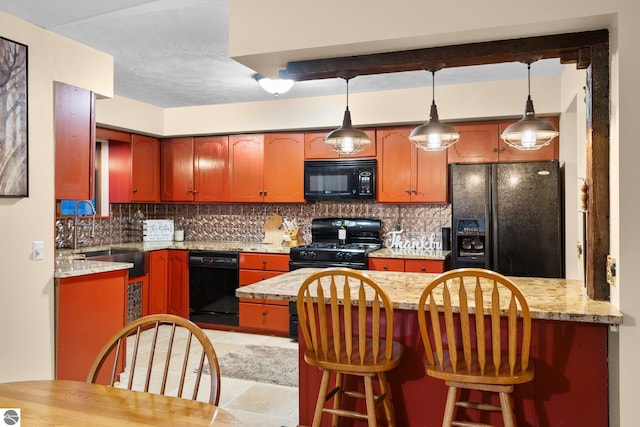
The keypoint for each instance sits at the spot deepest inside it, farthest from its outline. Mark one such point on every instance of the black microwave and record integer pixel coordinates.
(340, 179)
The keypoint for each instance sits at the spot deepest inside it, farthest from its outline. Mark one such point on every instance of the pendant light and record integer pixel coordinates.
(434, 135)
(346, 139)
(529, 133)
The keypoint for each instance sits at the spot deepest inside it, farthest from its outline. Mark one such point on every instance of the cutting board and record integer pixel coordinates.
(273, 229)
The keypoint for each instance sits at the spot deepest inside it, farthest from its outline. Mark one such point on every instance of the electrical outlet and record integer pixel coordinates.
(611, 270)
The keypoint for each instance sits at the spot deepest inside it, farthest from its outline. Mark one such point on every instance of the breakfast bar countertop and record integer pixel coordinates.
(551, 299)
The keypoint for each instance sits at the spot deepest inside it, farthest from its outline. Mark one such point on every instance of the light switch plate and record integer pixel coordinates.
(611, 270)
(38, 250)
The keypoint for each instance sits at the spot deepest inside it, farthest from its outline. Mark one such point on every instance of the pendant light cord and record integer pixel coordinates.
(433, 86)
(529, 79)
(347, 81)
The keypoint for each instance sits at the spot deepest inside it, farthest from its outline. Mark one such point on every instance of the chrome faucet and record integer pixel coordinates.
(76, 225)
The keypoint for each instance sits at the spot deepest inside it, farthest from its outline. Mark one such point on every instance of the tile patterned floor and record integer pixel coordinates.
(254, 404)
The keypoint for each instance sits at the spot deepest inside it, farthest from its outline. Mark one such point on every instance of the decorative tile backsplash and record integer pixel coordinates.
(245, 222)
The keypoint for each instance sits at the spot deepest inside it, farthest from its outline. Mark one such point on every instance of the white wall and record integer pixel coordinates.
(26, 286)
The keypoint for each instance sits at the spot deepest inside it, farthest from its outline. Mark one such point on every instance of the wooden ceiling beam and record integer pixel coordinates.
(569, 47)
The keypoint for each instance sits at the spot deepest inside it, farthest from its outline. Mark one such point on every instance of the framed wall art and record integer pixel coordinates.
(14, 170)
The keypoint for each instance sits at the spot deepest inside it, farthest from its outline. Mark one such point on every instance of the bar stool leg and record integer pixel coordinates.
(337, 397)
(371, 405)
(450, 406)
(387, 402)
(507, 411)
(322, 395)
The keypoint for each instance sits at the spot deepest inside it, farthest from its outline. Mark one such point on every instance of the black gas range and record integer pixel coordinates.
(338, 242)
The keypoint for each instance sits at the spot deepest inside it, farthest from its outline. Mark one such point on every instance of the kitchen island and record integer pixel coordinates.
(569, 349)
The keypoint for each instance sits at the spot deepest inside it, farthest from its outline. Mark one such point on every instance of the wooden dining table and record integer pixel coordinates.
(75, 403)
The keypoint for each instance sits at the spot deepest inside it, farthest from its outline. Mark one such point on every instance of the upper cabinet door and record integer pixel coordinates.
(145, 169)
(284, 168)
(176, 156)
(75, 142)
(246, 168)
(430, 177)
(394, 165)
(478, 143)
(549, 152)
(211, 168)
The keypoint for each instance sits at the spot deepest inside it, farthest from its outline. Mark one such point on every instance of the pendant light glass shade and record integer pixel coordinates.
(347, 139)
(529, 133)
(434, 135)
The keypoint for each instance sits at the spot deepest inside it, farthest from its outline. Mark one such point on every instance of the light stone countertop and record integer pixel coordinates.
(69, 262)
(552, 299)
(70, 267)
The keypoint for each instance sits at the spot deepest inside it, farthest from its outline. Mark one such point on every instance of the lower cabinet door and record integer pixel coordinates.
(270, 315)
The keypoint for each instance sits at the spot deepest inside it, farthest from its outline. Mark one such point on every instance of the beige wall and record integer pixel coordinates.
(26, 286)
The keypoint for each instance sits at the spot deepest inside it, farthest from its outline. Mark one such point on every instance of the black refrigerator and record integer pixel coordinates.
(508, 217)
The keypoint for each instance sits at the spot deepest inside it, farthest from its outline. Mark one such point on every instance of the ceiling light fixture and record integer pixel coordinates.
(347, 139)
(529, 133)
(274, 86)
(434, 135)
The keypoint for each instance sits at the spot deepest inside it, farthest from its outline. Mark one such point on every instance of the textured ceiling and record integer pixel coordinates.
(174, 53)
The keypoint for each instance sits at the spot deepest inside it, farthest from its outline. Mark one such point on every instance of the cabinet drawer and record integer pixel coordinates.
(264, 316)
(423, 266)
(386, 264)
(262, 261)
(248, 277)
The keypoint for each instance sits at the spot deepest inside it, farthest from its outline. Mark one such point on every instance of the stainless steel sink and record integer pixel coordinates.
(139, 259)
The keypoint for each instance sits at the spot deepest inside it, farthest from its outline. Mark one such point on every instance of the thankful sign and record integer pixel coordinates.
(420, 243)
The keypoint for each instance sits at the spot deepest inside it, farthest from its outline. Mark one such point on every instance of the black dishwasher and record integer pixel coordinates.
(213, 280)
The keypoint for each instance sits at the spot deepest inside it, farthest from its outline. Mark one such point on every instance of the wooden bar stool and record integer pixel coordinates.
(356, 341)
(466, 349)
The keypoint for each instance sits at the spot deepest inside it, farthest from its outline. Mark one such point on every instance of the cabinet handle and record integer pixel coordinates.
(384, 267)
(406, 190)
(413, 190)
(194, 191)
(503, 148)
(135, 190)
(423, 268)
(264, 313)
(189, 191)
(495, 150)
(264, 192)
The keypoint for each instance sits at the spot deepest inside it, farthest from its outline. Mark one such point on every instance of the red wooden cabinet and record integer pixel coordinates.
(408, 265)
(315, 148)
(89, 310)
(481, 143)
(134, 166)
(145, 168)
(74, 142)
(407, 174)
(158, 282)
(266, 168)
(169, 282)
(549, 152)
(268, 315)
(211, 169)
(176, 171)
(178, 283)
(283, 167)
